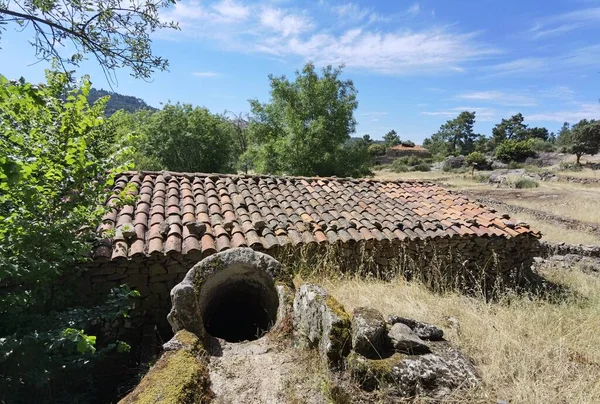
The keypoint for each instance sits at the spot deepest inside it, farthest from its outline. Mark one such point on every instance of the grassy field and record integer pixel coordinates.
(528, 351)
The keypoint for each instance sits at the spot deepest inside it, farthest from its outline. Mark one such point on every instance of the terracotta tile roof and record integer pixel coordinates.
(416, 148)
(199, 214)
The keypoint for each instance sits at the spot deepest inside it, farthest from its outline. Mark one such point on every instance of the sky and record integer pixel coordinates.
(415, 64)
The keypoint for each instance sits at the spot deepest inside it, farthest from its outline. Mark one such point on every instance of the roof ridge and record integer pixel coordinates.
(294, 177)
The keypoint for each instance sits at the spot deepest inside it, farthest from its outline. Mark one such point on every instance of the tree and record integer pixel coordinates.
(391, 139)
(514, 150)
(56, 158)
(512, 128)
(456, 136)
(239, 124)
(564, 135)
(538, 133)
(116, 33)
(190, 139)
(585, 138)
(306, 126)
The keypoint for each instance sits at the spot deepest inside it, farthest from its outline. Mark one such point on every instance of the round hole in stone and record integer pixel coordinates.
(239, 303)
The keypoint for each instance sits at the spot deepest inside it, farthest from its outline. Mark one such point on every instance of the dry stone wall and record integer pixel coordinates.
(448, 257)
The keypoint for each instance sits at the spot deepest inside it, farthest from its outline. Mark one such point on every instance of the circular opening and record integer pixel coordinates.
(239, 305)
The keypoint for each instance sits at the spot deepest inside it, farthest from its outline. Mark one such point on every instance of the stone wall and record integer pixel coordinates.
(441, 262)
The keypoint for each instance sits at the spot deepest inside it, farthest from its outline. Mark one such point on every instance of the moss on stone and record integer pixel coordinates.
(179, 377)
(370, 373)
(340, 334)
(190, 341)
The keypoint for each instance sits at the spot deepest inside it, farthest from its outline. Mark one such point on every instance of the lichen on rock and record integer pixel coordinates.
(180, 376)
(321, 322)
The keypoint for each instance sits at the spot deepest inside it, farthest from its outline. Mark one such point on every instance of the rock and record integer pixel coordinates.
(434, 375)
(321, 322)
(502, 176)
(453, 162)
(405, 340)
(368, 333)
(423, 330)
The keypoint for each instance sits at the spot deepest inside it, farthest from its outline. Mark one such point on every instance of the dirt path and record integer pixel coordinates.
(263, 372)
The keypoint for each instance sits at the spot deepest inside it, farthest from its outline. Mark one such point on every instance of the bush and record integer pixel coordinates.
(513, 165)
(407, 143)
(478, 159)
(400, 168)
(377, 149)
(526, 183)
(422, 167)
(540, 145)
(570, 166)
(514, 150)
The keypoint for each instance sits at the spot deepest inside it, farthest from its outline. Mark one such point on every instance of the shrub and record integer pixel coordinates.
(514, 150)
(422, 167)
(407, 143)
(513, 165)
(400, 168)
(540, 145)
(478, 159)
(526, 183)
(377, 149)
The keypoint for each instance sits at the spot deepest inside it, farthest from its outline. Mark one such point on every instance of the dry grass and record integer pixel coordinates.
(556, 233)
(528, 351)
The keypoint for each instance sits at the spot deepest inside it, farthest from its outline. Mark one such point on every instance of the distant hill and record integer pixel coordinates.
(118, 101)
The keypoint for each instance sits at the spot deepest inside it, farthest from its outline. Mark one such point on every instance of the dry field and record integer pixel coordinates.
(528, 351)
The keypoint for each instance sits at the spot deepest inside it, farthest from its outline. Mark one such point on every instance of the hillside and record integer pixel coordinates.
(118, 101)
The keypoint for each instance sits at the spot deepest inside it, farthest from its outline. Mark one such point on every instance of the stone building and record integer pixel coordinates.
(402, 150)
(159, 224)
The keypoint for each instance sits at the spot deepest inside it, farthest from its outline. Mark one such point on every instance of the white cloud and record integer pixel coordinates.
(231, 10)
(206, 74)
(524, 65)
(583, 111)
(291, 33)
(351, 10)
(414, 9)
(284, 23)
(404, 52)
(565, 22)
(482, 114)
(499, 97)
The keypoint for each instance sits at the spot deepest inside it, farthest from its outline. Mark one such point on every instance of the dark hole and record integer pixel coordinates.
(240, 310)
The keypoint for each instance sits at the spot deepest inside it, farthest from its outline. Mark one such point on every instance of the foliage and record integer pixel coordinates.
(55, 155)
(454, 137)
(526, 183)
(585, 138)
(399, 167)
(116, 33)
(377, 149)
(306, 126)
(391, 139)
(478, 159)
(513, 128)
(564, 135)
(179, 138)
(239, 126)
(514, 150)
(407, 143)
(540, 145)
(117, 102)
(422, 167)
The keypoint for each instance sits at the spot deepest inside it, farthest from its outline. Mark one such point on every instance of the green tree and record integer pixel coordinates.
(515, 150)
(538, 133)
(306, 126)
(585, 138)
(391, 139)
(56, 153)
(564, 135)
(512, 128)
(179, 138)
(456, 136)
(116, 33)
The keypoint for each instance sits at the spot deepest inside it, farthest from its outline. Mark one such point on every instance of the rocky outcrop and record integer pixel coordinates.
(321, 322)
(405, 340)
(180, 376)
(423, 330)
(369, 332)
(413, 366)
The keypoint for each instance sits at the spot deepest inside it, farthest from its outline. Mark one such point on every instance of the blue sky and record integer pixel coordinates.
(414, 64)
